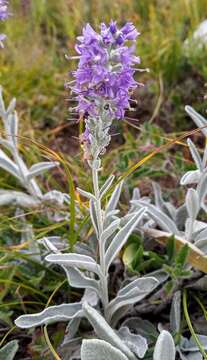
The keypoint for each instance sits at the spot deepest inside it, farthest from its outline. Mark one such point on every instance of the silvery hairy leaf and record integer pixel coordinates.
(17, 198)
(165, 347)
(191, 177)
(104, 331)
(132, 293)
(86, 194)
(202, 188)
(12, 128)
(198, 226)
(78, 279)
(161, 218)
(90, 297)
(175, 312)
(136, 194)
(202, 245)
(160, 275)
(11, 107)
(142, 327)
(121, 237)
(8, 351)
(201, 235)
(100, 350)
(48, 243)
(170, 210)
(196, 355)
(39, 168)
(8, 165)
(159, 202)
(136, 343)
(63, 312)
(199, 120)
(192, 203)
(195, 155)
(109, 231)
(109, 217)
(188, 345)
(200, 284)
(113, 201)
(106, 186)
(2, 106)
(80, 261)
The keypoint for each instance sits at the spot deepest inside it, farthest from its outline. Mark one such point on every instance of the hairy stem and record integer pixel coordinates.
(99, 216)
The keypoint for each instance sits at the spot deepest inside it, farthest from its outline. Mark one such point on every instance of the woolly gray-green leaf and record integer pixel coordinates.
(86, 194)
(113, 201)
(188, 345)
(121, 237)
(8, 165)
(159, 202)
(136, 343)
(161, 218)
(165, 347)
(192, 203)
(202, 245)
(199, 120)
(106, 186)
(201, 188)
(8, 351)
(132, 293)
(83, 262)
(108, 232)
(201, 235)
(78, 279)
(12, 128)
(142, 327)
(104, 330)
(100, 350)
(175, 312)
(191, 177)
(63, 312)
(11, 106)
(39, 168)
(195, 155)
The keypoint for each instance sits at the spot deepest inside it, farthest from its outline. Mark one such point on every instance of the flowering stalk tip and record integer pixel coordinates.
(104, 80)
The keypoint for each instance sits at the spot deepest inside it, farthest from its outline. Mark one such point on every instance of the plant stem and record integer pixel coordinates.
(190, 326)
(104, 277)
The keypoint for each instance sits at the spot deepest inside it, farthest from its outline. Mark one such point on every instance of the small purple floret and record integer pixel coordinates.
(4, 14)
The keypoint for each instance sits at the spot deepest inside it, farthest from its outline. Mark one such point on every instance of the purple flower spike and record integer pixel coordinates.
(4, 14)
(104, 79)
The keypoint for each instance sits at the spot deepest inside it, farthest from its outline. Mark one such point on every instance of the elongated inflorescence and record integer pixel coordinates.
(4, 14)
(104, 79)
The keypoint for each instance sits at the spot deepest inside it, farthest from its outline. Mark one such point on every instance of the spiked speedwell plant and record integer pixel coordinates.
(103, 85)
